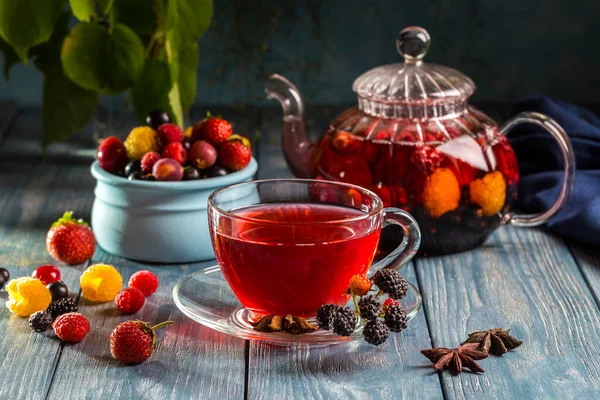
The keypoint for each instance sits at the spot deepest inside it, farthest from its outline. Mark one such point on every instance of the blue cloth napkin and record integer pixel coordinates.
(540, 165)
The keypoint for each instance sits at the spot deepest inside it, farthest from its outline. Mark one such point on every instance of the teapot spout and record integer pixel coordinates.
(297, 148)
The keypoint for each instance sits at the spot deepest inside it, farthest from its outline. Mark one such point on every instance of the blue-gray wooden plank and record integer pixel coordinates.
(526, 280)
(588, 260)
(355, 370)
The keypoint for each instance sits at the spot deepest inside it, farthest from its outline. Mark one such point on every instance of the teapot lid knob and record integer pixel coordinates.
(412, 44)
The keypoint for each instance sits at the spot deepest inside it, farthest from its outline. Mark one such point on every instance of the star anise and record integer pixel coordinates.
(277, 323)
(456, 359)
(496, 341)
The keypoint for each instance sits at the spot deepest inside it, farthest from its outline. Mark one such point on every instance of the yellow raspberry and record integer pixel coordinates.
(489, 192)
(441, 193)
(100, 282)
(188, 131)
(140, 141)
(27, 295)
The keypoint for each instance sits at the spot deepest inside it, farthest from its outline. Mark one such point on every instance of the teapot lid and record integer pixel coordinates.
(413, 89)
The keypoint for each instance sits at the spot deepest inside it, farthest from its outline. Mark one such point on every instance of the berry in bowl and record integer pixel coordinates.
(152, 189)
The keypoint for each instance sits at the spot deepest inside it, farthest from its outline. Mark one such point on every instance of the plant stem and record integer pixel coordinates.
(162, 324)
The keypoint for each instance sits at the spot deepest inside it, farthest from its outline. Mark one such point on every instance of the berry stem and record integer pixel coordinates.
(162, 324)
(355, 303)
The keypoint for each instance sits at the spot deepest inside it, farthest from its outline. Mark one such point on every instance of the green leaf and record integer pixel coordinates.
(26, 23)
(66, 109)
(86, 10)
(175, 103)
(46, 56)
(187, 20)
(138, 15)
(103, 61)
(10, 57)
(152, 88)
(187, 63)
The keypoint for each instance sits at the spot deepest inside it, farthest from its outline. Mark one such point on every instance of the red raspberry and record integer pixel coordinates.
(169, 133)
(426, 159)
(148, 161)
(359, 285)
(144, 280)
(175, 151)
(71, 327)
(388, 303)
(130, 300)
(345, 143)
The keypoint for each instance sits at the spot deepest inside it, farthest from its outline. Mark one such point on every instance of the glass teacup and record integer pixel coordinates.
(287, 246)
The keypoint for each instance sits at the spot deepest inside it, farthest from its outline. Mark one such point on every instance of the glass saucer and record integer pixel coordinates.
(205, 297)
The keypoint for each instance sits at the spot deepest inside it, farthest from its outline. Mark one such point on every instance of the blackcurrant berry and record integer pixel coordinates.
(215, 170)
(58, 290)
(156, 118)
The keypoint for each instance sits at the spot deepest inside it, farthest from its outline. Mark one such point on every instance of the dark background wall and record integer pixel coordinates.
(511, 48)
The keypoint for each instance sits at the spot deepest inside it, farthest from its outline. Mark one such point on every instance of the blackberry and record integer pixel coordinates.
(376, 332)
(324, 315)
(391, 282)
(369, 307)
(342, 321)
(40, 321)
(62, 306)
(395, 318)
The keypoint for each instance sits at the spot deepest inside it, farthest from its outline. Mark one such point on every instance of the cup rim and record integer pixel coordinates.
(376, 209)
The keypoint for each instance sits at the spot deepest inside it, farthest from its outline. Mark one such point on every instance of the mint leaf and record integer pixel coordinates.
(10, 57)
(26, 23)
(86, 10)
(103, 61)
(187, 20)
(138, 15)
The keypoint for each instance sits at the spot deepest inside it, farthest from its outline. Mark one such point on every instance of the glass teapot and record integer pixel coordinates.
(415, 141)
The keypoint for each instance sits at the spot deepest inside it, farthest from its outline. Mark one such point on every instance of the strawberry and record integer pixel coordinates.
(214, 130)
(235, 154)
(70, 241)
(132, 342)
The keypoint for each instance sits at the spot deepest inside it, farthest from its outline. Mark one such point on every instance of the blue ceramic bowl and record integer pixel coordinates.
(164, 222)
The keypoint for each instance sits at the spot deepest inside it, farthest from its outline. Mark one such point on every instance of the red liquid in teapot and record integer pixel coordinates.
(297, 259)
(455, 194)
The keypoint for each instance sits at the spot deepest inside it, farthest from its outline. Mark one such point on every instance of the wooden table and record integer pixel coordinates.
(543, 288)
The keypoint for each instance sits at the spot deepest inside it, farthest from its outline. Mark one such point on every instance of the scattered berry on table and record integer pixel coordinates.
(343, 321)
(71, 327)
(169, 133)
(426, 159)
(40, 321)
(27, 295)
(202, 154)
(140, 141)
(62, 306)
(191, 174)
(70, 241)
(391, 282)
(136, 175)
(132, 167)
(132, 342)
(112, 155)
(156, 118)
(214, 130)
(58, 290)
(100, 282)
(369, 307)
(359, 285)
(4, 277)
(215, 170)
(47, 274)
(388, 303)
(376, 332)
(144, 280)
(187, 143)
(236, 153)
(395, 318)
(324, 315)
(167, 169)
(175, 151)
(130, 300)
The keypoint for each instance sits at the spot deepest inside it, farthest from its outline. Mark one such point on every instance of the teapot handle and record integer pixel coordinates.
(568, 157)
